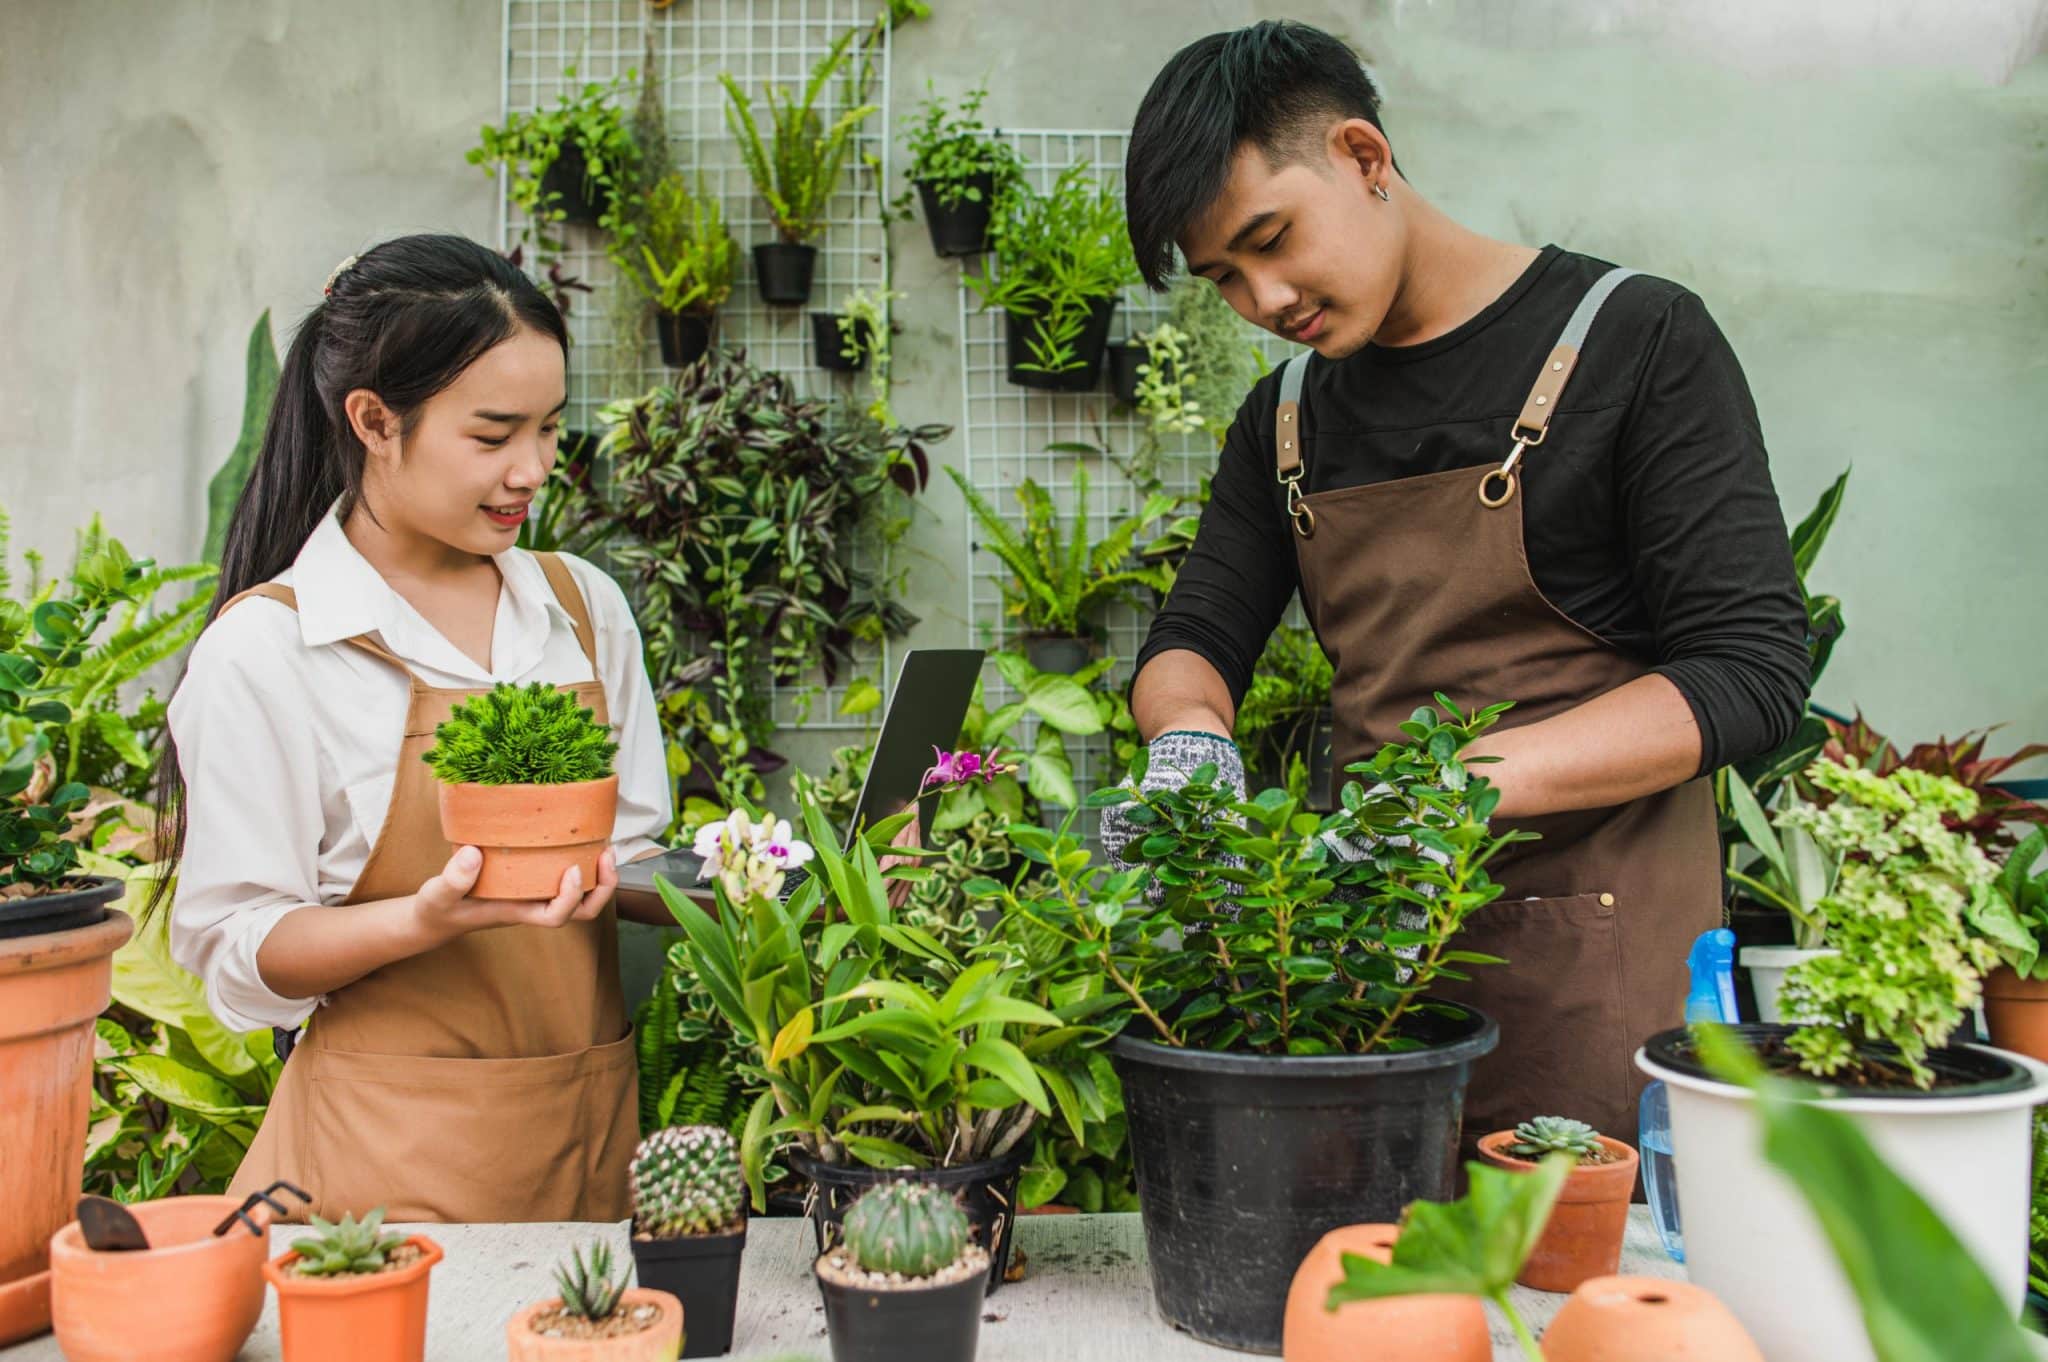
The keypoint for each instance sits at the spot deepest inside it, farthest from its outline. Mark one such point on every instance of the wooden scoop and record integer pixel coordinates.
(108, 1227)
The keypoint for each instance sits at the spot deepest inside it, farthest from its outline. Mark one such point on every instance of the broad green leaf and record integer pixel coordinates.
(259, 389)
(1064, 704)
(1007, 1062)
(1472, 1247)
(862, 697)
(186, 1088)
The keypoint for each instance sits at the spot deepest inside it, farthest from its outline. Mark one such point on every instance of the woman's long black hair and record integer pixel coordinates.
(403, 320)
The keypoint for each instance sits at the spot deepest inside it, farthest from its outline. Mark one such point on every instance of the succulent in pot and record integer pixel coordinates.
(905, 1279)
(597, 1317)
(1583, 1236)
(353, 1291)
(690, 1226)
(526, 778)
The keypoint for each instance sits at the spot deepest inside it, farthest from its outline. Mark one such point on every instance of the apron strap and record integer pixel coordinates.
(1289, 427)
(571, 597)
(289, 599)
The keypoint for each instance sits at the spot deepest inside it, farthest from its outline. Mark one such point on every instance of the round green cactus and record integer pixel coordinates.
(911, 1228)
(687, 1180)
(1554, 1134)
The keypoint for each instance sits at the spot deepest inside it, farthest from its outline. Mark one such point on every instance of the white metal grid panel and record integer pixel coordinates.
(762, 44)
(1005, 430)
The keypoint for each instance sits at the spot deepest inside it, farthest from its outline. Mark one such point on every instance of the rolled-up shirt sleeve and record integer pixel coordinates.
(646, 802)
(253, 815)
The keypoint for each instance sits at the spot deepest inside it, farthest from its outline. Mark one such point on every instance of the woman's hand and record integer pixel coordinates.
(899, 890)
(445, 909)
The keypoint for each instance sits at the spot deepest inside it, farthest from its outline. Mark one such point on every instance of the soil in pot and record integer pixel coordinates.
(531, 834)
(646, 1327)
(684, 337)
(25, 910)
(961, 229)
(1244, 1162)
(1618, 1319)
(783, 271)
(1057, 653)
(1395, 1329)
(52, 986)
(701, 1271)
(203, 1291)
(882, 1317)
(1089, 347)
(2016, 1010)
(1582, 1238)
(580, 199)
(987, 1191)
(1123, 372)
(828, 343)
(363, 1317)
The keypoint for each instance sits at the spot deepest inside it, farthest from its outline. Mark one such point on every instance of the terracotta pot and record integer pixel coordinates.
(52, 986)
(2017, 1011)
(1397, 1329)
(531, 834)
(204, 1291)
(1645, 1319)
(371, 1317)
(1583, 1237)
(660, 1343)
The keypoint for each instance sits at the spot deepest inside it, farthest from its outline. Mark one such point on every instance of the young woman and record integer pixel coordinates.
(466, 1059)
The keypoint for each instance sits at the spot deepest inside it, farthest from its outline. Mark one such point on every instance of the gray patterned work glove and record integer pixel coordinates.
(1174, 757)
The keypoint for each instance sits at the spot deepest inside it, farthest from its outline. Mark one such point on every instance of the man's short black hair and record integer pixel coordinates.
(1277, 85)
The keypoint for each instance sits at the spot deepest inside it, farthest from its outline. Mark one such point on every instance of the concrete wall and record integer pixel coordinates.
(1859, 191)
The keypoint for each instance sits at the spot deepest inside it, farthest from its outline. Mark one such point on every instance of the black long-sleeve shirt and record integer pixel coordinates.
(1655, 525)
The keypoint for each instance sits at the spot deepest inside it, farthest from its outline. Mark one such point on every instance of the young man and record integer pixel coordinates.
(1499, 472)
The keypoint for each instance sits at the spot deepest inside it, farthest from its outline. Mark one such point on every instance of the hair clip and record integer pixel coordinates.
(327, 289)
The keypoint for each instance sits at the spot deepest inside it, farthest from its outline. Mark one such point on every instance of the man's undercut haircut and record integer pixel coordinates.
(1278, 85)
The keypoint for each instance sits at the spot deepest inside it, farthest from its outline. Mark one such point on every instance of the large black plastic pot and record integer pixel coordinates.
(703, 1272)
(987, 1191)
(1244, 1161)
(81, 906)
(910, 1324)
(963, 228)
(581, 199)
(783, 272)
(1018, 330)
(685, 336)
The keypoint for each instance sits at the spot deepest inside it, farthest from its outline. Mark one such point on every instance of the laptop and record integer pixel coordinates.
(925, 711)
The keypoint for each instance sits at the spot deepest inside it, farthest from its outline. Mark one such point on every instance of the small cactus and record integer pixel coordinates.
(911, 1228)
(1554, 1134)
(687, 1180)
(589, 1291)
(351, 1246)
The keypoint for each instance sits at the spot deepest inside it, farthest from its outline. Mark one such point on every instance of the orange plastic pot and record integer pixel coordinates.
(1583, 1237)
(531, 834)
(52, 986)
(660, 1343)
(1396, 1329)
(2016, 1010)
(1645, 1319)
(203, 1291)
(372, 1317)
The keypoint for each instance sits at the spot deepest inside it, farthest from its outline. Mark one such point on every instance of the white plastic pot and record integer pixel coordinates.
(1750, 1239)
(1767, 966)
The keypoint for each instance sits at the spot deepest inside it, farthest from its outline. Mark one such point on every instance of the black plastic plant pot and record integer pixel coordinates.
(567, 179)
(703, 1272)
(963, 228)
(685, 336)
(1019, 330)
(1057, 653)
(80, 906)
(1244, 1161)
(908, 1324)
(828, 343)
(987, 1191)
(1123, 372)
(783, 272)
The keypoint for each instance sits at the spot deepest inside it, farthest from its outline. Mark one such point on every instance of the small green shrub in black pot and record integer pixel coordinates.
(689, 1228)
(1324, 1086)
(905, 1281)
(959, 169)
(566, 163)
(684, 266)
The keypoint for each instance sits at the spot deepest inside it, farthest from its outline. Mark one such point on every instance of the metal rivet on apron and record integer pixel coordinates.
(1541, 400)
(1286, 417)
(1557, 366)
(1287, 444)
(1607, 900)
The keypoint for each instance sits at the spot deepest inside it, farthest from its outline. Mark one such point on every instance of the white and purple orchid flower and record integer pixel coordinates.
(749, 856)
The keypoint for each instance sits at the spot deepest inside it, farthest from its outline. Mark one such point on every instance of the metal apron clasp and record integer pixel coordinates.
(1506, 472)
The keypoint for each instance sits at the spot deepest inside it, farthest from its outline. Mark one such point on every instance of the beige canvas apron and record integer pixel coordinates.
(1422, 584)
(489, 1079)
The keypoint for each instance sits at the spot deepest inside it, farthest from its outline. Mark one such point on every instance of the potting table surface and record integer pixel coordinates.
(1086, 1296)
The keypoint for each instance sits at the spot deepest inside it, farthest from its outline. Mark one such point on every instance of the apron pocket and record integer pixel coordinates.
(467, 1140)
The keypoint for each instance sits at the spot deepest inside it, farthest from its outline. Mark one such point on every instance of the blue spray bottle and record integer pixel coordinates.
(1711, 997)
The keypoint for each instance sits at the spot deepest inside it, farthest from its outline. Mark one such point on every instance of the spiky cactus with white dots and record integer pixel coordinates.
(911, 1228)
(687, 1180)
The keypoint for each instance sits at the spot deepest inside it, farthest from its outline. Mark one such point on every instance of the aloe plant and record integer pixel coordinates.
(799, 172)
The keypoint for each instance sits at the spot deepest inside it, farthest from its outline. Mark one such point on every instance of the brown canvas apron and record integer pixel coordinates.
(1421, 585)
(489, 1079)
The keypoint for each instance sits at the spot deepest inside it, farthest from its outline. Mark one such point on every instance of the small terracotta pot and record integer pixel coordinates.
(531, 834)
(204, 1291)
(1645, 1319)
(373, 1317)
(1583, 1237)
(658, 1343)
(1397, 1329)
(2016, 1010)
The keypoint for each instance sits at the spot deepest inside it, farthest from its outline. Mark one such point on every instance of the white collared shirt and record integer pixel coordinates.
(288, 739)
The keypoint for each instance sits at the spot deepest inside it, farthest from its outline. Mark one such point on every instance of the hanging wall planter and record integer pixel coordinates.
(1088, 350)
(961, 229)
(1061, 654)
(829, 342)
(987, 1191)
(1244, 1162)
(581, 199)
(684, 336)
(1124, 360)
(784, 272)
